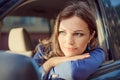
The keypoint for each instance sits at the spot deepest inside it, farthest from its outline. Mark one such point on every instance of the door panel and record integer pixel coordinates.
(109, 71)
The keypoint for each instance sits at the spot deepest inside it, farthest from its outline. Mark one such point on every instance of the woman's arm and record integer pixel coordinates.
(79, 69)
(46, 66)
(68, 64)
(52, 62)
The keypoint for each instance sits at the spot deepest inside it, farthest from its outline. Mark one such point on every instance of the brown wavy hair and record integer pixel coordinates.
(81, 10)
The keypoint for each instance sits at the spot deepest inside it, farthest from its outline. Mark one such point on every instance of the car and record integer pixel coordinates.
(37, 18)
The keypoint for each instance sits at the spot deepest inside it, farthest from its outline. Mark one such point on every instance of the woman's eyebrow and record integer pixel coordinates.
(79, 31)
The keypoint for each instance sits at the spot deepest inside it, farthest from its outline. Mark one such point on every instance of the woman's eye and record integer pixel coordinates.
(78, 34)
(61, 32)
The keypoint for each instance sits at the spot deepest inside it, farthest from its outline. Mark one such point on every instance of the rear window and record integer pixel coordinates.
(32, 24)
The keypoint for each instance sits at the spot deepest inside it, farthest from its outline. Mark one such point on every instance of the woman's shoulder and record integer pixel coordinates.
(43, 47)
(98, 52)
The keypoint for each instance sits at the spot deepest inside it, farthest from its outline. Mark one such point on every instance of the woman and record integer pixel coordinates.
(72, 52)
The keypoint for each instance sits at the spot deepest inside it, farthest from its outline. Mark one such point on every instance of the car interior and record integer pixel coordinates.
(17, 67)
(19, 42)
(21, 30)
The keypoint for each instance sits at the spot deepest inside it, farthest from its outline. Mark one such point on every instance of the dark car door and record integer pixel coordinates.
(109, 71)
(108, 15)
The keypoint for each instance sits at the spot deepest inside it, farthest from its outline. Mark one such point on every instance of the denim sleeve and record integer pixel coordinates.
(79, 69)
(39, 59)
(39, 56)
(43, 75)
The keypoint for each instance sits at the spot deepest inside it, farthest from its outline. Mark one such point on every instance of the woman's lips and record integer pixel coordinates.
(71, 49)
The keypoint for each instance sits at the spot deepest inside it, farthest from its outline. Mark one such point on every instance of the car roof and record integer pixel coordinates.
(39, 8)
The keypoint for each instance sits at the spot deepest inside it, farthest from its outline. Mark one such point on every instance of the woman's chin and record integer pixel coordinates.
(69, 55)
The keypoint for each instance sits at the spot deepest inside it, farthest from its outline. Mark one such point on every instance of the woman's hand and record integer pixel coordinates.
(57, 60)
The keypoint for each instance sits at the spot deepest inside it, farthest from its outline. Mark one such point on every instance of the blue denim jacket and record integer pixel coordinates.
(71, 70)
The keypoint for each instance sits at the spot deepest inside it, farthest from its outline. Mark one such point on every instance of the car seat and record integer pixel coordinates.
(17, 67)
(19, 42)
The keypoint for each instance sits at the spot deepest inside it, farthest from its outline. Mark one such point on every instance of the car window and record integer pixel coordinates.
(112, 10)
(32, 24)
(37, 27)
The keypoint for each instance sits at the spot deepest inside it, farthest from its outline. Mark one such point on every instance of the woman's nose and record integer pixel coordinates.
(70, 39)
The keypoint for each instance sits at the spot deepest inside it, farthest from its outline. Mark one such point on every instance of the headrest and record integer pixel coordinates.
(19, 40)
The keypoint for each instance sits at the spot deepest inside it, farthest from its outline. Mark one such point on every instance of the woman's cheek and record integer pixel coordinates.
(82, 45)
(60, 40)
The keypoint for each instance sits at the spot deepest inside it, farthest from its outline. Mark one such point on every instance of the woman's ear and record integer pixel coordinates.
(92, 36)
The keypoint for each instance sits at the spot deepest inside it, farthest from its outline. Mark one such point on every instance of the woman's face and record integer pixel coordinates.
(74, 36)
